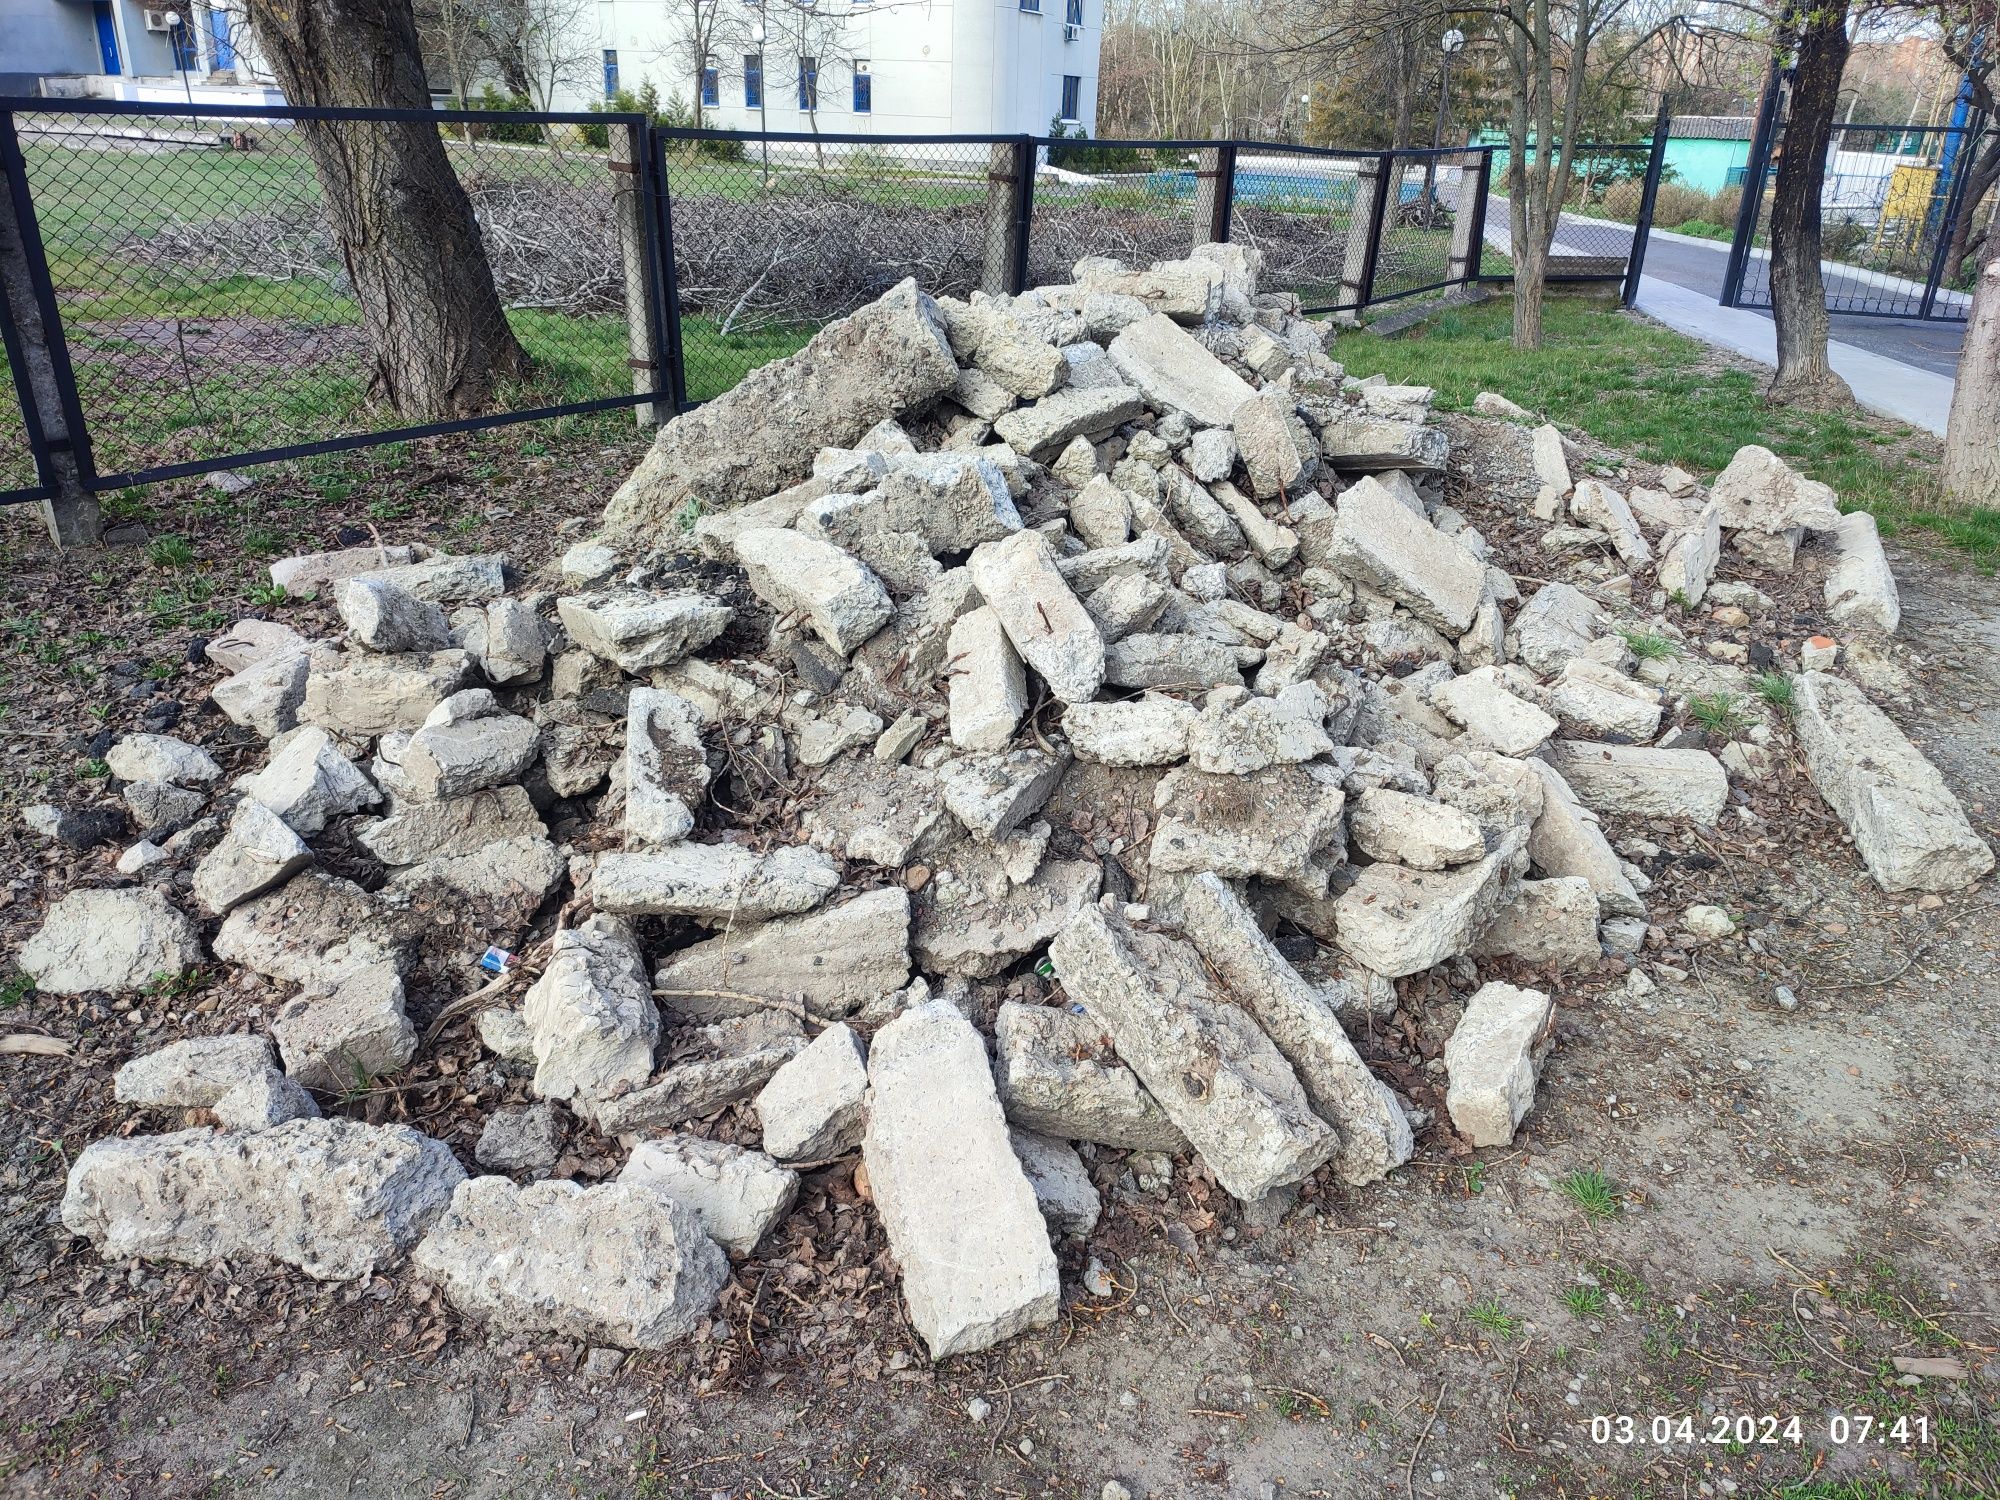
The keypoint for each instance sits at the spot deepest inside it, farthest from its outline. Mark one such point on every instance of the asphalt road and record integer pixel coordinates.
(1929, 345)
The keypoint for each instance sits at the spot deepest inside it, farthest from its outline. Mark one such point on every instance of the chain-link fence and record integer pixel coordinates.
(208, 296)
(1889, 205)
(213, 282)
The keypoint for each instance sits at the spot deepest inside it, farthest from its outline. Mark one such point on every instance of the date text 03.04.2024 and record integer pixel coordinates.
(1722, 1429)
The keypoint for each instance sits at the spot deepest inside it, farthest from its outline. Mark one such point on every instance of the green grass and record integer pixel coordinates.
(1494, 1318)
(1775, 688)
(1718, 713)
(1639, 387)
(1592, 1193)
(1647, 645)
(1585, 1301)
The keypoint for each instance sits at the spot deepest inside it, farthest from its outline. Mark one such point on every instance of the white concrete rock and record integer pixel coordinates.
(1237, 738)
(335, 1037)
(639, 631)
(1596, 504)
(961, 1217)
(1214, 1073)
(1493, 1061)
(258, 852)
(1860, 587)
(1413, 831)
(738, 1195)
(387, 619)
(591, 1014)
(116, 941)
(1548, 921)
(989, 686)
(190, 1074)
(620, 1263)
(721, 881)
(1491, 715)
(360, 696)
(666, 768)
(309, 783)
(1688, 557)
(1643, 780)
(1062, 1186)
(1046, 622)
(1057, 1074)
(161, 757)
(843, 601)
(1378, 542)
(1760, 492)
(1151, 730)
(834, 961)
(1908, 828)
(1399, 921)
(811, 1110)
(335, 1198)
(262, 1100)
(266, 695)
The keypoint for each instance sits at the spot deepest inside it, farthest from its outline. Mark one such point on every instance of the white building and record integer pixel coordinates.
(168, 51)
(891, 67)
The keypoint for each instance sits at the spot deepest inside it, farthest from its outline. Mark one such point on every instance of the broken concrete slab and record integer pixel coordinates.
(843, 601)
(1148, 660)
(638, 631)
(1063, 1190)
(1566, 840)
(1151, 730)
(1492, 716)
(390, 620)
(833, 961)
(1272, 824)
(995, 793)
(1493, 1061)
(962, 928)
(360, 697)
(961, 1217)
(1176, 373)
(1399, 921)
(1376, 541)
(413, 832)
(1548, 921)
(1046, 622)
(1688, 556)
(1760, 492)
(257, 852)
(518, 1140)
(1596, 701)
(666, 768)
(1908, 828)
(1558, 622)
(266, 695)
(1213, 1072)
(1302, 1022)
(308, 783)
(263, 1099)
(1280, 456)
(811, 1110)
(591, 1014)
(741, 1056)
(620, 1263)
(1413, 831)
(1597, 505)
(1044, 429)
(335, 1037)
(989, 686)
(1643, 780)
(717, 881)
(190, 1074)
(1357, 441)
(1860, 586)
(1057, 1073)
(1286, 728)
(889, 815)
(889, 357)
(316, 929)
(453, 755)
(335, 1198)
(739, 1196)
(115, 941)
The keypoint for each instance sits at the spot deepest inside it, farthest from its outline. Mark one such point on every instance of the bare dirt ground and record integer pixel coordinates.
(1799, 1198)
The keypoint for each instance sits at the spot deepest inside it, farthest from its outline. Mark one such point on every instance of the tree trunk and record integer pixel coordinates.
(1980, 177)
(402, 220)
(1971, 474)
(1816, 33)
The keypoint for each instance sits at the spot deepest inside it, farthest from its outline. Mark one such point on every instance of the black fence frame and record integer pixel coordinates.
(1740, 289)
(667, 386)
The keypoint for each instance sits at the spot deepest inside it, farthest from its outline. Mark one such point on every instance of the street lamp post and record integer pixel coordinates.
(178, 40)
(1449, 45)
(1305, 114)
(763, 94)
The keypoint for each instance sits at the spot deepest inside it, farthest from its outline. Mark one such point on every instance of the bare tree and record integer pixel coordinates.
(1812, 38)
(456, 37)
(406, 231)
(704, 31)
(545, 48)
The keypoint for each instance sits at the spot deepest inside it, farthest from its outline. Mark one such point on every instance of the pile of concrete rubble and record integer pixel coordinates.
(1005, 739)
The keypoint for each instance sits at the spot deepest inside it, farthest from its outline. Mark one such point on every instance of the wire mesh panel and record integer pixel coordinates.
(211, 311)
(1133, 202)
(774, 237)
(1594, 235)
(1888, 206)
(1298, 209)
(1422, 196)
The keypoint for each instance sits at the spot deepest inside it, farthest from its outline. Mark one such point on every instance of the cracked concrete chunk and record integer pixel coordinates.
(591, 1014)
(1273, 824)
(638, 631)
(190, 1074)
(961, 1217)
(1057, 1073)
(811, 1110)
(116, 941)
(833, 961)
(1399, 921)
(336, 1037)
(1493, 1061)
(718, 881)
(738, 1195)
(1644, 780)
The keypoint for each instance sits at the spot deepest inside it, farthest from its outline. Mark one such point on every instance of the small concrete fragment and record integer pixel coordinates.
(1378, 542)
(265, 696)
(1414, 831)
(1548, 921)
(1493, 1061)
(1908, 828)
(115, 941)
(591, 1014)
(1272, 824)
(518, 1140)
(309, 783)
(961, 1217)
(1400, 922)
(1057, 1073)
(264, 1099)
(1044, 429)
(190, 1074)
(720, 881)
(666, 768)
(1860, 587)
(994, 794)
(738, 1195)
(639, 632)
(390, 620)
(1216, 1075)
(1493, 716)
(620, 1263)
(335, 1198)
(1062, 1186)
(1152, 730)
(989, 688)
(336, 1037)
(360, 696)
(843, 601)
(161, 757)
(256, 853)
(811, 1110)
(1688, 557)
(833, 961)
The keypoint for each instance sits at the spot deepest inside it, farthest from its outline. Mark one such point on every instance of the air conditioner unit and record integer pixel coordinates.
(156, 20)
(1072, 32)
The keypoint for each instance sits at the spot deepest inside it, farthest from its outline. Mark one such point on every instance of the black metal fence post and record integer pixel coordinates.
(39, 358)
(1751, 208)
(669, 300)
(1643, 227)
(1225, 192)
(1024, 210)
(1387, 185)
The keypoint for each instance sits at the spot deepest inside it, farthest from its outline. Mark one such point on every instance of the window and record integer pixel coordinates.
(1032, 7)
(1072, 96)
(1073, 14)
(808, 84)
(610, 71)
(711, 86)
(864, 89)
(187, 55)
(753, 80)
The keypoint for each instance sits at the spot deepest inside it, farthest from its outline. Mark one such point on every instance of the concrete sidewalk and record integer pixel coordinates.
(1887, 386)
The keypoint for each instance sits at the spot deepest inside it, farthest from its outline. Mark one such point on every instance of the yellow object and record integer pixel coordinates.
(1906, 207)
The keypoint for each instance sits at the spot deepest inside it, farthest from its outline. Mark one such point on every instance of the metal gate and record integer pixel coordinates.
(1891, 200)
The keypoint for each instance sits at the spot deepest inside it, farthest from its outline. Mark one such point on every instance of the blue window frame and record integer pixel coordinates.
(711, 86)
(187, 52)
(808, 84)
(1032, 7)
(1073, 13)
(1072, 96)
(610, 71)
(864, 89)
(753, 80)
